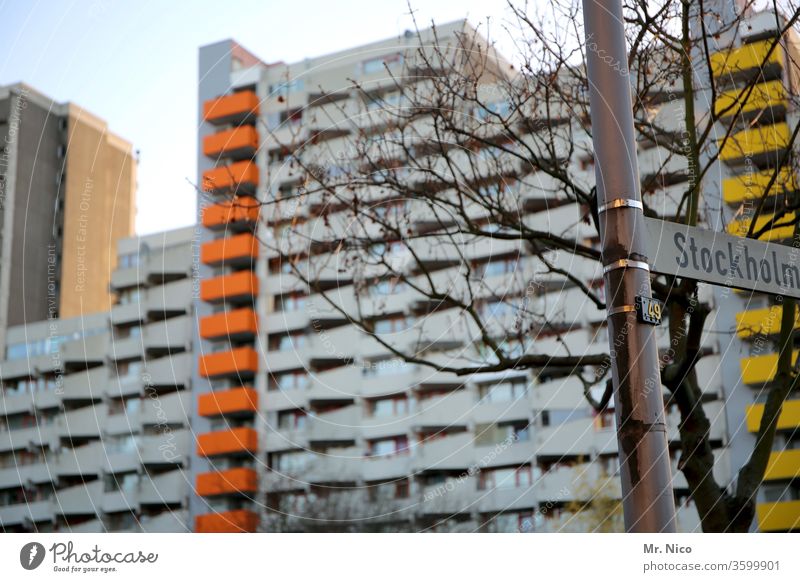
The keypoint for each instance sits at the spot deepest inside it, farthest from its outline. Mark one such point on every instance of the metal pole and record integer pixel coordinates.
(648, 500)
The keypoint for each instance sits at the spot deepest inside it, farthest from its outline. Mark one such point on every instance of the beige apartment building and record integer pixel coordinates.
(67, 188)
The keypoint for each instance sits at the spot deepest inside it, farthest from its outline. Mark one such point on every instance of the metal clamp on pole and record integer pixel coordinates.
(621, 309)
(626, 264)
(620, 203)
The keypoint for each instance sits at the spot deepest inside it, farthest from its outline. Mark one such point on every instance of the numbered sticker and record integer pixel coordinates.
(649, 310)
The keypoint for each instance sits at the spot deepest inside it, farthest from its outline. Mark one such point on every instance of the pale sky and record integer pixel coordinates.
(135, 64)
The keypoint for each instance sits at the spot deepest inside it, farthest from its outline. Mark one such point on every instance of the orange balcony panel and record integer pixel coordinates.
(235, 400)
(239, 142)
(238, 363)
(234, 287)
(238, 214)
(227, 442)
(234, 108)
(235, 324)
(232, 481)
(236, 251)
(238, 177)
(236, 521)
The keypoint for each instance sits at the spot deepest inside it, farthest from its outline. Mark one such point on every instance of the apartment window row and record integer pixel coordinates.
(48, 345)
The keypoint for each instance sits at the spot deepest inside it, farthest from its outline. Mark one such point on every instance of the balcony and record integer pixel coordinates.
(237, 521)
(237, 400)
(240, 250)
(754, 142)
(232, 481)
(236, 363)
(753, 186)
(782, 230)
(788, 419)
(783, 465)
(750, 57)
(751, 99)
(761, 322)
(238, 178)
(237, 324)
(234, 287)
(227, 442)
(761, 369)
(238, 143)
(778, 516)
(239, 214)
(239, 107)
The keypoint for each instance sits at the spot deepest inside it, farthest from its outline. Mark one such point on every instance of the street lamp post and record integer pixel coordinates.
(648, 501)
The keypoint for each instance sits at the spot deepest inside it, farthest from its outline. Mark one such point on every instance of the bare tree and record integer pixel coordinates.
(425, 181)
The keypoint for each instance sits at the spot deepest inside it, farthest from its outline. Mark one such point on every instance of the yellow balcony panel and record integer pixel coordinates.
(760, 369)
(760, 140)
(232, 481)
(749, 57)
(754, 186)
(235, 521)
(242, 440)
(761, 322)
(238, 107)
(238, 177)
(783, 229)
(235, 363)
(237, 143)
(778, 516)
(783, 465)
(236, 401)
(751, 98)
(236, 215)
(788, 419)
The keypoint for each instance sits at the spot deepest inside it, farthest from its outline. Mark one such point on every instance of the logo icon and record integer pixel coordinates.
(31, 555)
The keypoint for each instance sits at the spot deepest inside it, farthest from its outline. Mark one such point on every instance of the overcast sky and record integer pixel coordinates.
(135, 64)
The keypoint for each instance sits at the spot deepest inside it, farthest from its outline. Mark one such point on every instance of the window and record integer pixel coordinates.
(128, 297)
(121, 444)
(290, 302)
(505, 391)
(504, 266)
(124, 482)
(604, 420)
(128, 260)
(292, 419)
(491, 110)
(556, 417)
(288, 341)
(391, 406)
(388, 446)
(292, 117)
(388, 287)
(506, 478)
(392, 324)
(283, 89)
(517, 431)
(294, 380)
(19, 421)
(378, 64)
(289, 461)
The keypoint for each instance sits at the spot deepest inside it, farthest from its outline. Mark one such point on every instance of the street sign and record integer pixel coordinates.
(722, 259)
(649, 310)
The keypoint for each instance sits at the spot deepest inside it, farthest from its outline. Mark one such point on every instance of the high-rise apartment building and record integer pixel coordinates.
(94, 431)
(67, 187)
(305, 422)
(757, 147)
